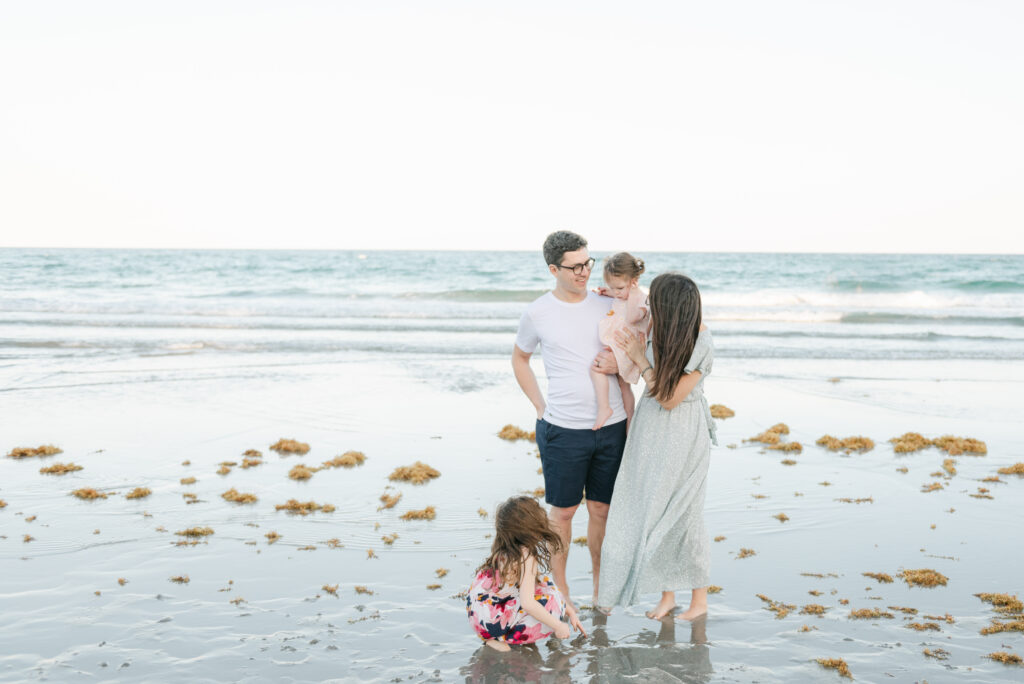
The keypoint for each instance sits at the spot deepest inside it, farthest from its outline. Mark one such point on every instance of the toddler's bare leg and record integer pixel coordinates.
(628, 400)
(604, 409)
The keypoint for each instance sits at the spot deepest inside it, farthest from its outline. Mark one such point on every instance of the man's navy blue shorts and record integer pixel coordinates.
(578, 460)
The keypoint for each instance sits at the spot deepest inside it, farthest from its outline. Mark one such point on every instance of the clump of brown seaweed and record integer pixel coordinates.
(1005, 658)
(195, 532)
(780, 609)
(181, 579)
(417, 473)
(349, 459)
(1015, 469)
(924, 626)
(293, 506)
(29, 452)
(847, 444)
(878, 577)
(235, 496)
(388, 500)
(139, 493)
(721, 411)
(746, 553)
(1003, 603)
(924, 577)
(869, 614)
(954, 446)
(301, 472)
(60, 469)
(428, 513)
(512, 433)
(272, 537)
(88, 493)
(289, 446)
(837, 664)
(813, 609)
(909, 442)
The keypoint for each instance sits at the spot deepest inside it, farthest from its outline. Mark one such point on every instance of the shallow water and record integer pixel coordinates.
(133, 423)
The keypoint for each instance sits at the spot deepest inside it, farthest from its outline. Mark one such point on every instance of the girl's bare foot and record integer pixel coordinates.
(603, 414)
(664, 607)
(692, 613)
(498, 645)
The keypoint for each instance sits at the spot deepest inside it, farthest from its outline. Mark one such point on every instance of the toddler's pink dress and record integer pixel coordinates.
(495, 612)
(622, 311)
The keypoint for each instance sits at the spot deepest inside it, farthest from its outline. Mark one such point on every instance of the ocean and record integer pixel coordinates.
(151, 367)
(96, 306)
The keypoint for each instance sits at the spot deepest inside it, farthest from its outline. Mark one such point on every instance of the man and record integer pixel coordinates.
(575, 457)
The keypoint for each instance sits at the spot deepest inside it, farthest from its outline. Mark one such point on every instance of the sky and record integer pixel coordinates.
(860, 126)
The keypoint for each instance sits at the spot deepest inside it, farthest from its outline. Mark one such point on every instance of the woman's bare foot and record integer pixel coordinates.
(664, 607)
(603, 414)
(498, 645)
(692, 613)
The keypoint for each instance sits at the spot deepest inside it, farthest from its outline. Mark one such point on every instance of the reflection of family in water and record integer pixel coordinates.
(650, 655)
(642, 475)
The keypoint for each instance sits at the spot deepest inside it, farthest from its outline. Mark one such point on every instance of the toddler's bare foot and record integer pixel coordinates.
(603, 414)
(692, 613)
(664, 607)
(498, 645)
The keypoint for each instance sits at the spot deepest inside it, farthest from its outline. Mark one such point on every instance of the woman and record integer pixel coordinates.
(656, 539)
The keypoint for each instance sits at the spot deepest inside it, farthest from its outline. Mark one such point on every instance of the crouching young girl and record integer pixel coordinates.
(510, 600)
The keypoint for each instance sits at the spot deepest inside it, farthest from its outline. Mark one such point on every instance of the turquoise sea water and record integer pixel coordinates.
(95, 305)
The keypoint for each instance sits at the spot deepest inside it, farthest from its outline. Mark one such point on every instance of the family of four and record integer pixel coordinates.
(642, 474)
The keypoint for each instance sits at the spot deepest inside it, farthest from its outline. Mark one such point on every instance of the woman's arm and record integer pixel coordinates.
(527, 588)
(683, 388)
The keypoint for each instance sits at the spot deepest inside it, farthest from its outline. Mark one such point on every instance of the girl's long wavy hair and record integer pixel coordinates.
(674, 301)
(520, 523)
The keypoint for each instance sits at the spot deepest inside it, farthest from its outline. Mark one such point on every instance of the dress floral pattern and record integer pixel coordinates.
(495, 612)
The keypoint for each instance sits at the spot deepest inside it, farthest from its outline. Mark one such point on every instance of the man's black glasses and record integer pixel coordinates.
(578, 268)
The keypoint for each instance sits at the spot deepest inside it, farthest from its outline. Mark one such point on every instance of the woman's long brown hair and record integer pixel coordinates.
(674, 301)
(520, 523)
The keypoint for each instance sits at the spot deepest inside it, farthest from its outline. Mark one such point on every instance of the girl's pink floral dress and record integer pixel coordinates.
(495, 613)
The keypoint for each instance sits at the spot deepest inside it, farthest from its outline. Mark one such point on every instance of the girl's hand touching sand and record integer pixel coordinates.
(574, 620)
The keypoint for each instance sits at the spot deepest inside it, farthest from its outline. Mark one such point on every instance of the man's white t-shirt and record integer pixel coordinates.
(568, 336)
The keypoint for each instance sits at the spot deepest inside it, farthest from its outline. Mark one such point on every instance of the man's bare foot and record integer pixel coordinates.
(498, 645)
(692, 613)
(664, 607)
(603, 414)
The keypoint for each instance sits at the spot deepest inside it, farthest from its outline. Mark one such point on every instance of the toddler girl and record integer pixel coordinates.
(510, 602)
(629, 312)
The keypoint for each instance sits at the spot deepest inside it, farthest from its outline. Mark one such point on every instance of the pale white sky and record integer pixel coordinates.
(865, 125)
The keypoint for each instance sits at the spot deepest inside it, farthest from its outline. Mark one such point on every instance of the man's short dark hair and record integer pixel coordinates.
(560, 242)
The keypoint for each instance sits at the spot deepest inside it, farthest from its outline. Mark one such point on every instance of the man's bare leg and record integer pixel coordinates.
(595, 537)
(561, 520)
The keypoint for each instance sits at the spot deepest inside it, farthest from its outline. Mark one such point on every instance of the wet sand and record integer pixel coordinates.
(253, 610)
